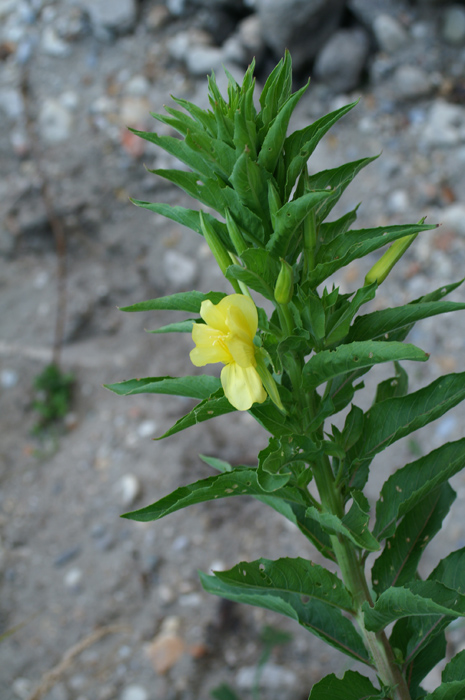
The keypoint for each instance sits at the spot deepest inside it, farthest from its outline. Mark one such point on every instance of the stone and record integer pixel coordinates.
(445, 125)
(180, 45)
(11, 103)
(453, 25)
(22, 688)
(411, 82)
(340, 63)
(453, 217)
(128, 489)
(115, 16)
(291, 25)
(52, 45)
(165, 651)
(7, 6)
(157, 17)
(250, 36)
(8, 378)
(67, 556)
(55, 121)
(180, 271)
(390, 34)
(201, 60)
(134, 692)
(73, 578)
(273, 677)
(146, 428)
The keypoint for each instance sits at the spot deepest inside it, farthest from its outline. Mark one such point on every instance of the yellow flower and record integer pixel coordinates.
(228, 337)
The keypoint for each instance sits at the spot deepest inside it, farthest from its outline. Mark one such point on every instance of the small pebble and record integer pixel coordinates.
(8, 378)
(73, 578)
(67, 556)
(146, 428)
(128, 489)
(134, 692)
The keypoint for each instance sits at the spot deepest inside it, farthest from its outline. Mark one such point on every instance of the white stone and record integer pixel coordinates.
(70, 100)
(412, 82)
(146, 428)
(454, 217)
(11, 103)
(445, 125)
(127, 489)
(55, 121)
(73, 578)
(114, 15)
(398, 201)
(340, 63)
(179, 270)
(453, 28)
(390, 34)
(201, 60)
(138, 86)
(52, 45)
(22, 688)
(8, 378)
(134, 692)
(272, 677)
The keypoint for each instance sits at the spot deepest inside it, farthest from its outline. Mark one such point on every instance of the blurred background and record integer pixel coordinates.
(98, 608)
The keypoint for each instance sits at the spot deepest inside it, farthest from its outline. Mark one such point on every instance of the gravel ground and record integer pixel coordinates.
(122, 597)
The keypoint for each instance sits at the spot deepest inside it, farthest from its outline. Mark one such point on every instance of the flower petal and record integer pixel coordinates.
(210, 346)
(242, 351)
(242, 386)
(241, 314)
(214, 315)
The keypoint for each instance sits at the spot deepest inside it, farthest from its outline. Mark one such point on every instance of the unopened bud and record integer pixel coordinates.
(235, 234)
(284, 287)
(220, 253)
(383, 267)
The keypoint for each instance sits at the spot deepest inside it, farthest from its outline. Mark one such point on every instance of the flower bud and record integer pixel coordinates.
(284, 287)
(383, 267)
(235, 234)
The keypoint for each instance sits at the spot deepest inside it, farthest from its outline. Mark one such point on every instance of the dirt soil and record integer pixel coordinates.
(71, 568)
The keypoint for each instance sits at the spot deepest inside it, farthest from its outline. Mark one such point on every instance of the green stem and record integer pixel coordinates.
(354, 579)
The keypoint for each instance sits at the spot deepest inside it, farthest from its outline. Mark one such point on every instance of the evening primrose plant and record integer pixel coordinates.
(295, 369)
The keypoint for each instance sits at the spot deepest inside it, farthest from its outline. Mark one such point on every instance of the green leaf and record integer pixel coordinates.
(393, 387)
(250, 182)
(356, 244)
(180, 327)
(185, 217)
(420, 598)
(282, 459)
(393, 419)
(379, 323)
(455, 690)
(223, 692)
(274, 139)
(338, 324)
(354, 524)
(288, 575)
(323, 620)
(215, 405)
(325, 365)
(200, 387)
(455, 669)
(353, 686)
(260, 274)
(288, 219)
(182, 301)
(410, 485)
(398, 563)
(423, 663)
(300, 145)
(238, 482)
(331, 229)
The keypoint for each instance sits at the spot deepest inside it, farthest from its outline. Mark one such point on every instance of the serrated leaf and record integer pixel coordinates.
(200, 387)
(353, 525)
(385, 321)
(323, 620)
(288, 575)
(410, 485)
(393, 419)
(238, 482)
(352, 686)
(182, 301)
(420, 598)
(356, 244)
(351, 357)
(455, 690)
(399, 560)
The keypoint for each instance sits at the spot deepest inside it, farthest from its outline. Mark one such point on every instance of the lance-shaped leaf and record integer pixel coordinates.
(408, 486)
(420, 598)
(299, 145)
(385, 321)
(200, 387)
(317, 616)
(357, 244)
(354, 524)
(348, 358)
(289, 218)
(393, 419)
(352, 686)
(393, 387)
(241, 481)
(215, 405)
(331, 229)
(185, 217)
(250, 182)
(182, 301)
(180, 327)
(274, 140)
(398, 563)
(338, 324)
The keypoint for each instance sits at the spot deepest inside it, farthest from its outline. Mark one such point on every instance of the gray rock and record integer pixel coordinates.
(127, 489)
(250, 36)
(180, 271)
(6, 6)
(341, 61)
(115, 16)
(302, 26)
(202, 60)
(134, 692)
(273, 677)
(180, 46)
(11, 103)
(454, 217)
(453, 26)
(390, 34)
(52, 45)
(8, 378)
(445, 125)
(55, 121)
(411, 82)
(366, 11)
